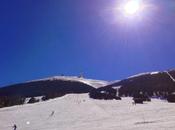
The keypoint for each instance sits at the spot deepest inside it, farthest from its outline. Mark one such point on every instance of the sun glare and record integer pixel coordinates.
(132, 7)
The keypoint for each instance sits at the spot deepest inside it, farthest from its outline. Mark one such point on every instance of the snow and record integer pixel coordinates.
(156, 72)
(137, 75)
(91, 82)
(117, 87)
(79, 112)
(141, 74)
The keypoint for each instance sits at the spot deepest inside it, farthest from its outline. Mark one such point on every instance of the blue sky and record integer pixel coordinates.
(42, 38)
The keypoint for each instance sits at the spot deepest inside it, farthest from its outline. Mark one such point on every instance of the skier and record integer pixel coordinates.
(52, 113)
(14, 127)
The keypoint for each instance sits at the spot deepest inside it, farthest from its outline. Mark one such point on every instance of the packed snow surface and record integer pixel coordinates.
(79, 112)
(91, 82)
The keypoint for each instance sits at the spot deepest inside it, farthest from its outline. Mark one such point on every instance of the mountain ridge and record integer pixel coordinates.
(159, 84)
(150, 82)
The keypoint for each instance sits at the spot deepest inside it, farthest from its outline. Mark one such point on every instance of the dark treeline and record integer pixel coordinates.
(160, 85)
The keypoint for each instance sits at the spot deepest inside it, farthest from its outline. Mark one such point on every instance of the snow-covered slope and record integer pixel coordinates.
(91, 82)
(78, 112)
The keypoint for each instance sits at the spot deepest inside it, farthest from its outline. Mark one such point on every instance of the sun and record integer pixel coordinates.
(132, 7)
(132, 12)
